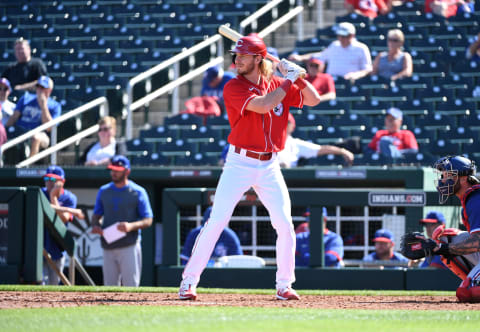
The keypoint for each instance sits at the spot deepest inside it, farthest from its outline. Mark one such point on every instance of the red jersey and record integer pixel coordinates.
(405, 139)
(253, 131)
(369, 8)
(450, 4)
(323, 83)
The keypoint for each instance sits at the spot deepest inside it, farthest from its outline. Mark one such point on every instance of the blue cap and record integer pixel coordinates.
(383, 235)
(45, 82)
(212, 73)
(206, 215)
(433, 217)
(395, 112)
(272, 51)
(6, 82)
(119, 163)
(55, 172)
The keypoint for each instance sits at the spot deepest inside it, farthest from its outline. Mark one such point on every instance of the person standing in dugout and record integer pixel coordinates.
(257, 103)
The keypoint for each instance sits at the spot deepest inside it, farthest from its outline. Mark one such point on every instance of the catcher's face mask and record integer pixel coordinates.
(446, 180)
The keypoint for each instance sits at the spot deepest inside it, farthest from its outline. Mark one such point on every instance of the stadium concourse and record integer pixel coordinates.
(92, 48)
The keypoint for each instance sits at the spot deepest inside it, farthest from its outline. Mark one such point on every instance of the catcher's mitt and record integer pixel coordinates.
(415, 246)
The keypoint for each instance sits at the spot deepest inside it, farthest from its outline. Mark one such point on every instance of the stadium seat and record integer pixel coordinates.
(444, 147)
(197, 134)
(158, 133)
(354, 18)
(393, 94)
(310, 45)
(435, 121)
(389, 21)
(183, 120)
(153, 159)
(373, 82)
(331, 107)
(311, 120)
(140, 145)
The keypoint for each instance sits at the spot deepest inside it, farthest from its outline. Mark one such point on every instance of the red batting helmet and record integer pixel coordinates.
(252, 45)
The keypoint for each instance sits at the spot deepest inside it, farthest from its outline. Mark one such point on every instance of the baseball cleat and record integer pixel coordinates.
(286, 294)
(187, 292)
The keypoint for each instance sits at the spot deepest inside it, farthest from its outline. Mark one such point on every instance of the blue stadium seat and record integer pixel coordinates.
(435, 121)
(201, 133)
(354, 18)
(310, 45)
(389, 21)
(331, 107)
(444, 147)
(311, 120)
(158, 133)
(140, 145)
(151, 159)
(393, 94)
(183, 119)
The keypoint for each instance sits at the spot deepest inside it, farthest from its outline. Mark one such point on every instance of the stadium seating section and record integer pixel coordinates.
(92, 48)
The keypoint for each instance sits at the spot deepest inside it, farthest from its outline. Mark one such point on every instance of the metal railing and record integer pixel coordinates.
(175, 61)
(52, 151)
(132, 106)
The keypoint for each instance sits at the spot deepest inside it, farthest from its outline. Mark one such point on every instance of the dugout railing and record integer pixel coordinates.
(413, 202)
(25, 214)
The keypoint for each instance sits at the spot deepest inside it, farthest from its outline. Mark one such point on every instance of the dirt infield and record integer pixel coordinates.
(77, 299)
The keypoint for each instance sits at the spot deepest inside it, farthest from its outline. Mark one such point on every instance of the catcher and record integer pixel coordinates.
(460, 251)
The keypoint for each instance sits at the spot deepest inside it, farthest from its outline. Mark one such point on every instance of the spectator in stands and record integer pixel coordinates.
(125, 205)
(345, 57)
(100, 152)
(228, 244)
(213, 82)
(333, 246)
(446, 8)
(393, 142)
(23, 74)
(432, 220)
(322, 82)
(296, 148)
(370, 9)
(31, 111)
(473, 51)
(65, 203)
(3, 134)
(394, 64)
(384, 249)
(6, 105)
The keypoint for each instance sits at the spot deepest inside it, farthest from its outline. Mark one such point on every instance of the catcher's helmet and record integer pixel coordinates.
(448, 170)
(252, 45)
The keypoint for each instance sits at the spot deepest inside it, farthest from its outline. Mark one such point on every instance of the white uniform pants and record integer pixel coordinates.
(239, 174)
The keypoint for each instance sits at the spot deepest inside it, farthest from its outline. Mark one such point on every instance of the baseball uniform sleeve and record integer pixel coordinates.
(306, 149)
(233, 243)
(98, 209)
(473, 212)
(238, 99)
(144, 208)
(333, 249)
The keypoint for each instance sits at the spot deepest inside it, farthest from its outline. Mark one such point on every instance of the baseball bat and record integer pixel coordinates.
(234, 36)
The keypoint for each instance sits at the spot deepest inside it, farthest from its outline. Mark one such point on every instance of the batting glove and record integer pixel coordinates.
(294, 73)
(283, 67)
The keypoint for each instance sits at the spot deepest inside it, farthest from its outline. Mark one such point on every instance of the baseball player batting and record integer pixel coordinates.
(257, 105)
(459, 250)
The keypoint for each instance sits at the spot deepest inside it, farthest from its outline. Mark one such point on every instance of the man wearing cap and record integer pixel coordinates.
(393, 142)
(321, 81)
(213, 82)
(433, 220)
(6, 105)
(31, 111)
(296, 149)
(384, 248)
(228, 243)
(125, 204)
(65, 203)
(370, 9)
(345, 57)
(23, 74)
(333, 245)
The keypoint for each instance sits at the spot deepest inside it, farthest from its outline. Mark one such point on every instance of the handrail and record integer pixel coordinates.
(282, 20)
(156, 69)
(99, 101)
(182, 79)
(252, 18)
(84, 133)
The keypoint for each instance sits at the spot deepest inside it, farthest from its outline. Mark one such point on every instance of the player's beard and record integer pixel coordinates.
(246, 69)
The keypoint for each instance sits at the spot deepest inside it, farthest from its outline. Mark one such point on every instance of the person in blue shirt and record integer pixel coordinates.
(228, 244)
(124, 205)
(213, 83)
(333, 246)
(33, 110)
(65, 203)
(384, 249)
(432, 220)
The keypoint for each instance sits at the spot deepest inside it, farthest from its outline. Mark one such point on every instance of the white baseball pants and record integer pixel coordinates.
(239, 174)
